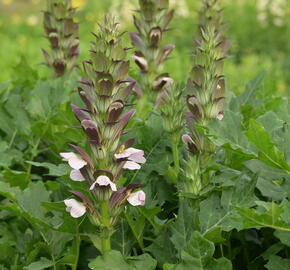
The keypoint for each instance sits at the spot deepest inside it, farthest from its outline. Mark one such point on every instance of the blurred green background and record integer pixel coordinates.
(259, 31)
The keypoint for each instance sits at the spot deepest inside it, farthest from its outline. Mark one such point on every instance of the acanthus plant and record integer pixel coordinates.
(103, 91)
(62, 32)
(151, 25)
(205, 94)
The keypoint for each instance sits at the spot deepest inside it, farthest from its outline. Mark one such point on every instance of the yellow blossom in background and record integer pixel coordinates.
(123, 9)
(272, 8)
(35, 1)
(32, 20)
(16, 19)
(6, 2)
(78, 3)
(281, 87)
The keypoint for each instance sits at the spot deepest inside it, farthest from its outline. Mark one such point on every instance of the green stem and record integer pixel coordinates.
(245, 250)
(229, 246)
(106, 236)
(33, 155)
(50, 249)
(175, 150)
(222, 250)
(77, 244)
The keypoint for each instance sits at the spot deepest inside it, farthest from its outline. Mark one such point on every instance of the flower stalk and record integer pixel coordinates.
(205, 87)
(62, 33)
(151, 24)
(103, 91)
(171, 106)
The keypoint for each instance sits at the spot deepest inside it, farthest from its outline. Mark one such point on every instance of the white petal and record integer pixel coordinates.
(133, 150)
(104, 180)
(77, 162)
(76, 209)
(93, 185)
(74, 160)
(131, 165)
(128, 152)
(76, 175)
(124, 154)
(137, 198)
(138, 157)
(220, 116)
(67, 155)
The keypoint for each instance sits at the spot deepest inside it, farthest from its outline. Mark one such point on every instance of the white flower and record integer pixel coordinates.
(75, 208)
(104, 180)
(74, 160)
(133, 156)
(76, 175)
(220, 116)
(137, 198)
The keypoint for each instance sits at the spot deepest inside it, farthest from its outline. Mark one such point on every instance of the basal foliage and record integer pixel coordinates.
(218, 202)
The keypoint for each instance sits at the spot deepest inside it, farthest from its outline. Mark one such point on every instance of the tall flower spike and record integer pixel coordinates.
(151, 25)
(171, 104)
(103, 121)
(62, 33)
(206, 85)
(205, 88)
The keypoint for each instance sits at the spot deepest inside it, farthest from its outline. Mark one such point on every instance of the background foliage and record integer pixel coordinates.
(243, 217)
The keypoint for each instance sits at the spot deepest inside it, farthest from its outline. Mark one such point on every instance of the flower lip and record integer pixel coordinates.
(104, 180)
(137, 198)
(76, 175)
(85, 156)
(132, 158)
(132, 154)
(120, 196)
(74, 160)
(131, 165)
(220, 116)
(75, 208)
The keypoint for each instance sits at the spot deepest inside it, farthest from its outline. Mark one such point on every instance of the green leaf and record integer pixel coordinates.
(272, 182)
(149, 214)
(198, 255)
(183, 226)
(31, 198)
(8, 154)
(113, 260)
(137, 225)
(269, 215)
(45, 98)
(272, 250)
(20, 119)
(229, 134)
(230, 131)
(211, 216)
(43, 263)
(268, 152)
(283, 236)
(9, 192)
(251, 90)
(144, 261)
(122, 239)
(54, 170)
(277, 263)
(162, 248)
(16, 178)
